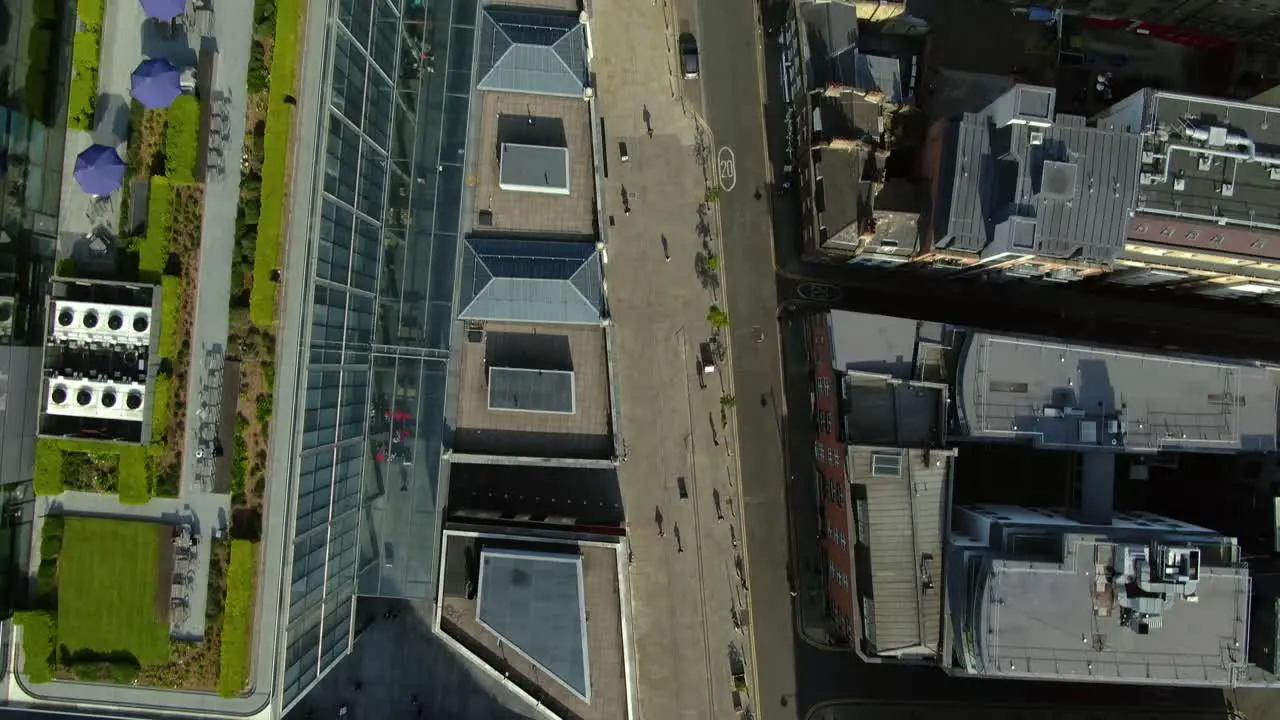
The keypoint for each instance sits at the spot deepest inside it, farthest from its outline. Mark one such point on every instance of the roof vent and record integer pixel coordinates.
(133, 400)
(109, 399)
(141, 323)
(1037, 137)
(115, 320)
(66, 317)
(59, 395)
(90, 320)
(84, 397)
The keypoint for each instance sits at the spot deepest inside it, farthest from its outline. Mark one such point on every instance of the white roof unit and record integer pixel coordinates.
(93, 399)
(102, 324)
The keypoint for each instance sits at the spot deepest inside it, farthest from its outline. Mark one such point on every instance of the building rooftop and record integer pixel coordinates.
(1210, 172)
(547, 614)
(901, 498)
(1065, 620)
(534, 390)
(1091, 397)
(548, 496)
(894, 413)
(534, 51)
(560, 130)
(884, 345)
(97, 369)
(537, 281)
(1021, 180)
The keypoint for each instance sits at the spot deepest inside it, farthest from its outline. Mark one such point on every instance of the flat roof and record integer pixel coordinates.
(525, 355)
(531, 634)
(1051, 619)
(906, 505)
(505, 494)
(1057, 394)
(892, 412)
(533, 168)
(556, 124)
(1219, 166)
(881, 344)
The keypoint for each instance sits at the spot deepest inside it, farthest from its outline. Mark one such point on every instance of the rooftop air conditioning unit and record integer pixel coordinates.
(109, 398)
(84, 396)
(66, 316)
(133, 400)
(90, 319)
(59, 395)
(1037, 137)
(141, 322)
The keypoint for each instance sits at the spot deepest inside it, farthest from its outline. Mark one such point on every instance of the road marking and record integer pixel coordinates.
(818, 292)
(726, 168)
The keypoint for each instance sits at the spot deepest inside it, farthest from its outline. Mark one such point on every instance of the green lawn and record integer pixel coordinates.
(108, 576)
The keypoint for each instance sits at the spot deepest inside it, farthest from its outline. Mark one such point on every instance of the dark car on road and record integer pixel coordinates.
(689, 56)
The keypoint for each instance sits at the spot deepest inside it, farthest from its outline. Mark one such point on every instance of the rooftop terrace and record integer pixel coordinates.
(537, 121)
(1090, 397)
(534, 390)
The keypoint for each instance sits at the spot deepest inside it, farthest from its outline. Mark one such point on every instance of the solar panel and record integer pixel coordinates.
(525, 390)
(535, 603)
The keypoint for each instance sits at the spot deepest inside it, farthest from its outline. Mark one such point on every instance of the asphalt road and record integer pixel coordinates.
(792, 676)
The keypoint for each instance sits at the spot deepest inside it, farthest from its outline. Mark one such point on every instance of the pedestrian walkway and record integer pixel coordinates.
(676, 476)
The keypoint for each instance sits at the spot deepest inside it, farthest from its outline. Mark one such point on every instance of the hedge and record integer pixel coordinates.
(160, 404)
(91, 13)
(48, 472)
(170, 306)
(182, 139)
(233, 672)
(275, 161)
(37, 644)
(153, 253)
(134, 473)
(83, 97)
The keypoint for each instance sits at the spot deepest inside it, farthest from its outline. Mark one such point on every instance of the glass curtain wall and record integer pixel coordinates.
(384, 248)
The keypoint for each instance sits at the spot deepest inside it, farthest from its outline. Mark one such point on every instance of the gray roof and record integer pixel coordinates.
(536, 602)
(832, 38)
(534, 168)
(1054, 620)
(1019, 183)
(882, 73)
(904, 515)
(527, 390)
(878, 344)
(889, 412)
(1067, 395)
(537, 281)
(532, 51)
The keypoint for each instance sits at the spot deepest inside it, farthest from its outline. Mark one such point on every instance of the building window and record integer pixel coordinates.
(886, 464)
(824, 386)
(819, 452)
(868, 618)
(860, 519)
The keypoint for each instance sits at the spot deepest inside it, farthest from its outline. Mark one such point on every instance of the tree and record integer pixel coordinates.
(711, 195)
(717, 317)
(728, 401)
(713, 263)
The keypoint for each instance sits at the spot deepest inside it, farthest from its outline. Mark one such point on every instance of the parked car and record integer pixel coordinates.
(689, 56)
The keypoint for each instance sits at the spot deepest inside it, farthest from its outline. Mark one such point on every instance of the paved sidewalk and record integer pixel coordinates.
(671, 428)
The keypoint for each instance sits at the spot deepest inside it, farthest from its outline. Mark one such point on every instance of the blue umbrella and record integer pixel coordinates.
(156, 83)
(99, 170)
(164, 9)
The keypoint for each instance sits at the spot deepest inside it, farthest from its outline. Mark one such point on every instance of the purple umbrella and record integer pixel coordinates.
(99, 170)
(165, 10)
(156, 83)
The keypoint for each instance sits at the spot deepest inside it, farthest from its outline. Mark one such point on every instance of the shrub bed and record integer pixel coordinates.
(86, 55)
(275, 161)
(233, 673)
(153, 251)
(38, 644)
(182, 139)
(170, 302)
(160, 407)
(134, 481)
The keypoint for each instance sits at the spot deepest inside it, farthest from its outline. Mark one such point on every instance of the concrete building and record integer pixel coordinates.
(912, 578)
(1019, 190)
(1198, 23)
(1205, 216)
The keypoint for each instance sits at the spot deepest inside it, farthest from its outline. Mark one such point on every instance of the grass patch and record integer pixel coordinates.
(160, 407)
(83, 97)
(153, 251)
(233, 672)
(170, 309)
(133, 481)
(108, 585)
(275, 161)
(38, 644)
(182, 139)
